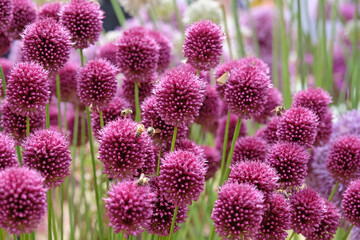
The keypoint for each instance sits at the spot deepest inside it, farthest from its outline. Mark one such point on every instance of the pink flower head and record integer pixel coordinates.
(222, 69)
(83, 19)
(67, 78)
(187, 145)
(24, 13)
(270, 130)
(203, 44)
(108, 52)
(250, 148)
(325, 129)
(22, 200)
(50, 10)
(210, 110)
(164, 50)
(5, 43)
(212, 161)
(350, 203)
(6, 65)
(128, 91)
(6, 14)
(28, 89)
(274, 99)
(7, 152)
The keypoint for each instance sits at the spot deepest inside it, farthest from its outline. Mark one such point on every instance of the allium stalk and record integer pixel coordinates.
(223, 159)
(239, 38)
(178, 16)
(3, 82)
(348, 232)
(333, 192)
(226, 28)
(137, 103)
(118, 12)
(27, 126)
(58, 96)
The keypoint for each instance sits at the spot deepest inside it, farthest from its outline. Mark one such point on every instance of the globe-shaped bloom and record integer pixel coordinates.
(24, 13)
(274, 99)
(129, 207)
(250, 148)
(28, 89)
(212, 161)
(83, 19)
(220, 70)
(5, 43)
(210, 110)
(108, 52)
(187, 145)
(325, 129)
(270, 130)
(48, 152)
(22, 200)
(46, 42)
(6, 11)
(164, 45)
(6, 65)
(351, 202)
(238, 211)
(179, 97)
(7, 152)
(203, 44)
(96, 83)
(348, 123)
(50, 10)
(182, 177)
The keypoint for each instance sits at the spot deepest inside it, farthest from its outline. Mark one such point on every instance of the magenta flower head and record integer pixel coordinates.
(164, 50)
(6, 12)
(28, 89)
(274, 99)
(48, 43)
(5, 43)
(187, 146)
(7, 152)
(122, 151)
(108, 52)
(290, 161)
(307, 208)
(270, 130)
(182, 177)
(83, 19)
(179, 97)
(203, 44)
(128, 91)
(110, 113)
(48, 152)
(325, 129)
(222, 69)
(259, 174)
(238, 211)
(50, 10)
(212, 161)
(344, 158)
(24, 13)
(350, 203)
(210, 110)
(129, 207)
(22, 200)
(6, 65)
(250, 148)
(276, 219)
(67, 77)
(138, 54)
(299, 125)
(246, 91)
(96, 83)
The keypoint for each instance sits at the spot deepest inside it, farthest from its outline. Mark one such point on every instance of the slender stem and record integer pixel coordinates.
(173, 222)
(198, 72)
(226, 28)
(137, 103)
(58, 95)
(14, 237)
(241, 49)
(49, 199)
(348, 232)
(101, 118)
(333, 191)
(2, 235)
(81, 57)
(27, 126)
(100, 222)
(118, 12)
(254, 34)
(226, 136)
(47, 116)
(300, 45)
(212, 234)
(62, 211)
(178, 16)
(158, 164)
(123, 237)
(174, 139)
(65, 118)
(3, 80)
(53, 219)
(18, 152)
(292, 235)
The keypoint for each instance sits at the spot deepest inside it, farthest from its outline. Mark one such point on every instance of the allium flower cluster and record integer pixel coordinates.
(165, 46)
(6, 67)
(269, 133)
(6, 12)
(250, 148)
(350, 203)
(210, 110)
(212, 161)
(222, 69)
(67, 78)
(274, 99)
(108, 52)
(7, 152)
(325, 129)
(50, 10)
(24, 13)
(5, 43)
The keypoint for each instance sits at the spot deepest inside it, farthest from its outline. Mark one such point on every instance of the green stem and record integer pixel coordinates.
(101, 119)
(292, 235)
(226, 136)
(118, 12)
(3, 80)
(27, 126)
(333, 191)
(62, 211)
(174, 139)
(226, 28)
(137, 103)
(2, 235)
(254, 35)
(212, 234)
(81, 57)
(348, 232)
(241, 49)
(173, 222)
(47, 116)
(158, 164)
(58, 95)
(18, 152)
(300, 46)
(178, 16)
(53, 219)
(100, 222)
(65, 118)
(49, 200)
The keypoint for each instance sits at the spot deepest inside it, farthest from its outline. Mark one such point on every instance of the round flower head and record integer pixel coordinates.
(328, 225)
(83, 18)
(164, 45)
(259, 174)
(307, 209)
(22, 200)
(349, 123)
(6, 9)
(108, 52)
(276, 219)
(250, 148)
(129, 207)
(6, 65)
(5, 43)
(203, 75)
(28, 89)
(210, 110)
(246, 91)
(187, 146)
(238, 211)
(343, 161)
(128, 92)
(324, 130)
(24, 13)
(203, 45)
(182, 177)
(50, 10)
(110, 113)
(290, 161)
(270, 130)
(7, 152)
(203, 9)
(298, 125)
(15, 125)
(137, 55)
(274, 99)
(96, 83)
(67, 77)
(48, 43)
(122, 151)
(220, 70)
(212, 160)
(163, 212)
(179, 97)
(48, 152)
(316, 100)
(350, 203)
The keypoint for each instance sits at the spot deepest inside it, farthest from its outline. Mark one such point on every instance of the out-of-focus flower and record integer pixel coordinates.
(24, 13)
(7, 152)
(50, 10)
(350, 203)
(250, 148)
(6, 14)
(203, 10)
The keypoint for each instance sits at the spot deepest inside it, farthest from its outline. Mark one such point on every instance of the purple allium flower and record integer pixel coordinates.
(150, 163)
(290, 161)
(349, 123)
(22, 200)
(48, 152)
(150, 117)
(108, 52)
(24, 13)
(128, 91)
(203, 75)
(15, 125)
(274, 99)
(50, 10)
(121, 152)
(28, 89)
(212, 161)
(203, 44)
(276, 219)
(210, 110)
(238, 211)
(179, 97)
(164, 45)
(6, 65)
(307, 208)
(7, 152)
(188, 146)
(46, 42)
(163, 212)
(137, 55)
(182, 177)
(6, 11)
(350, 203)
(257, 173)
(5, 43)
(250, 148)
(328, 224)
(96, 83)
(270, 130)
(222, 69)
(344, 158)
(129, 207)
(316, 100)
(83, 18)
(110, 113)
(325, 129)
(246, 91)
(299, 125)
